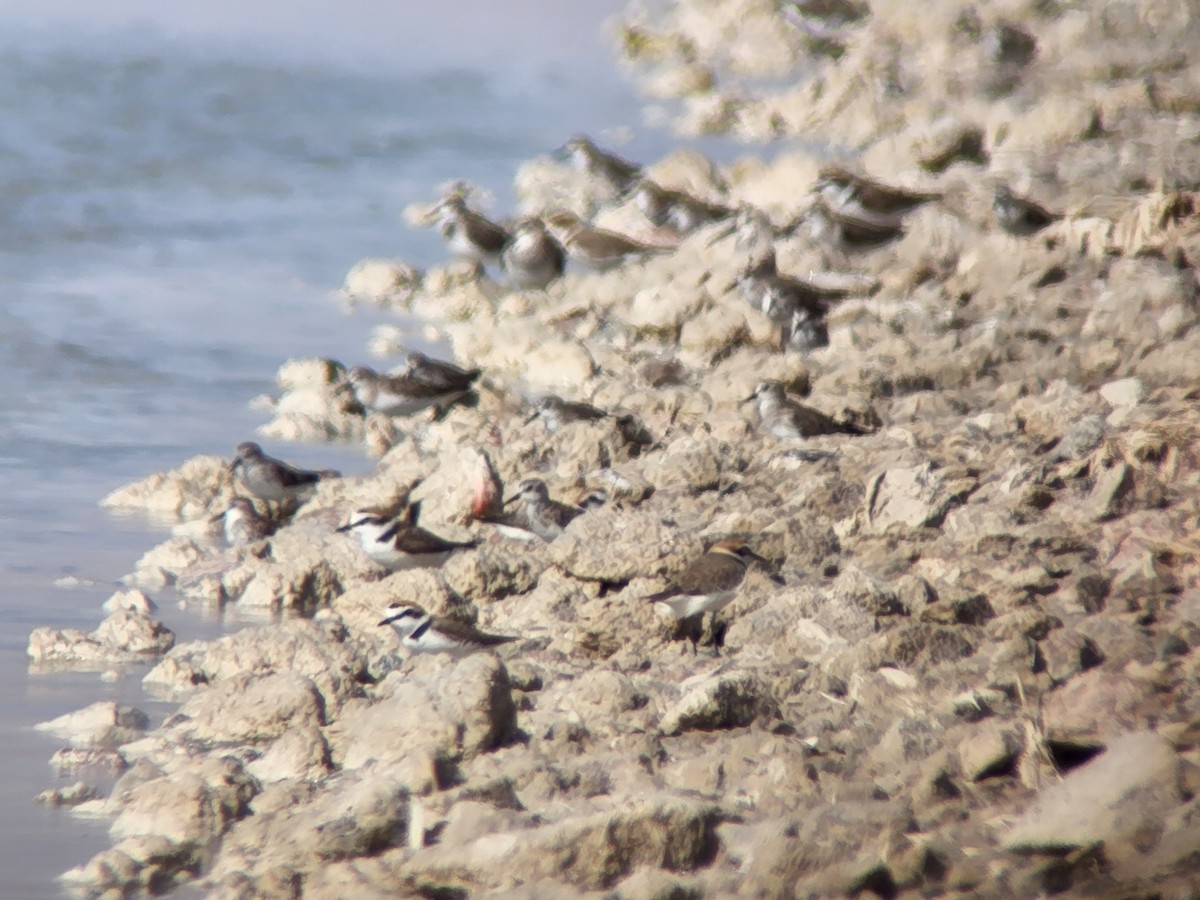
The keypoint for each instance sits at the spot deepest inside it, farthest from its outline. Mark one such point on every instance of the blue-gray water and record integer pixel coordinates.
(180, 193)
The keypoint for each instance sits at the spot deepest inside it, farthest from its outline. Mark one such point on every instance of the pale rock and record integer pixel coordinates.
(692, 464)
(614, 546)
(711, 334)
(1095, 706)
(249, 709)
(319, 650)
(135, 865)
(381, 281)
(202, 486)
(133, 601)
(299, 753)
(354, 814)
(161, 565)
(192, 805)
(913, 497)
(73, 795)
(133, 634)
(991, 748)
(1119, 799)
(659, 311)
(1124, 393)
(494, 571)
(450, 708)
(729, 700)
(103, 724)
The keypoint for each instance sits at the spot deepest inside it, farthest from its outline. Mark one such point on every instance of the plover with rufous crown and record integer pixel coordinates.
(709, 583)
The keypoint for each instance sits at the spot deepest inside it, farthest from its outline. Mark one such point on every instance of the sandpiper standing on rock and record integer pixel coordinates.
(708, 584)
(619, 174)
(543, 516)
(797, 306)
(676, 209)
(785, 419)
(242, 523)
(1020, 215)
(269, 478)
(595, 248)
(412, 388)
(469, 234)
(532, 258)
(399, 542)
(421, 632)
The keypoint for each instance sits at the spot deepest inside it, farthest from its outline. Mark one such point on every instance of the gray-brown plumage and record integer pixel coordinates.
(243, 524)
(541, 514)
(468, 233)
(419, 384)
(868, 193)
(708, 584)
(269, 478)
(532, 258)
(617, 173)
(798, 306)
(595, 248)
(676, 209)
(1020, 215)
(786, 419)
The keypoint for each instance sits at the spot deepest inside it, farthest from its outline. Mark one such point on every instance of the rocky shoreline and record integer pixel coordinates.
(979, 675)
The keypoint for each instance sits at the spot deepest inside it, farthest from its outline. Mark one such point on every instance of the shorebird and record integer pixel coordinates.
(862, 193)
(676, 209)
(418, 384)
(594, 248)
(1020, 215)
(269, 478)
(555, 412)
(539, 513)
(421, 632)
(797, 306)
(619, 174)
(399, 542)
(708, 584)
(242, 523)
(532, 258)
(785, 419)
(470, 234)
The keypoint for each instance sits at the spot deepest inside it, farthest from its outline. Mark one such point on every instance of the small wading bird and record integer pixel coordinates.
(707, 585)
(595, 248)
(399, 542)
(421, 632)
(1020, 215)
(272, 479)
(242, 523)
(532, 258)
(676, 209)
(539, 513)
(787, 420)
(420, 383)
(469, 234)
(617, 173)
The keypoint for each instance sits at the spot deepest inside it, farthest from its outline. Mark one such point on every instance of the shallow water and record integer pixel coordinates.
(180, 193)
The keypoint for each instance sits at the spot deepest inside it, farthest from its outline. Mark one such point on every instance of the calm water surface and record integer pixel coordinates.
(180, 193)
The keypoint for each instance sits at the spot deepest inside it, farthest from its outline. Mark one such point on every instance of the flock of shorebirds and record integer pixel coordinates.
(847, 207)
